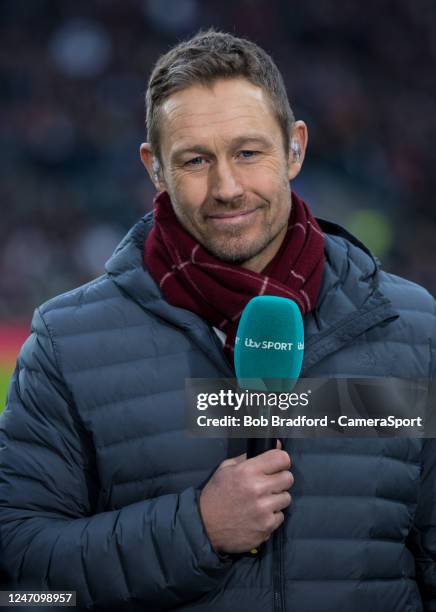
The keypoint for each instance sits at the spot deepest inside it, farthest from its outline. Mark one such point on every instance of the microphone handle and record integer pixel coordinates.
(257, 446)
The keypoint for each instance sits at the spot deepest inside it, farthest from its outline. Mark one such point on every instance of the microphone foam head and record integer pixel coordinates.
(269, 343)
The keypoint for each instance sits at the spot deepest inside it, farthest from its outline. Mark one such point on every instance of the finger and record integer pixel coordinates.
(273, 461)
(279, 444)
(279, 501)
(279, 517)
(282, 481)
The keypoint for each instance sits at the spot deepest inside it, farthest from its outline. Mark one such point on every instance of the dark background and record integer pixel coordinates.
(73, 76)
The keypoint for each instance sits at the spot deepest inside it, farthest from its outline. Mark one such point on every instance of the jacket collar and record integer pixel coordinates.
(349, 303)
(126, 269)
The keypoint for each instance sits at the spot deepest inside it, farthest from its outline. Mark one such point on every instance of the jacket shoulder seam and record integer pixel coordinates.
(50, 335)
(59, 366)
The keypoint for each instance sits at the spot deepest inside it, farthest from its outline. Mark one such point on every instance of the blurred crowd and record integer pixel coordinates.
(73, 77)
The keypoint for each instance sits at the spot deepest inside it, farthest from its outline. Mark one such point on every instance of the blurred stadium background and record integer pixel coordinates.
(73, 76)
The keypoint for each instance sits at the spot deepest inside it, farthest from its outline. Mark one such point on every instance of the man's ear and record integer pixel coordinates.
(152, 166)
(297, 148)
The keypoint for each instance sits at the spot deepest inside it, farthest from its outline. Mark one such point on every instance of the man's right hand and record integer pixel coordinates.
(243, 502)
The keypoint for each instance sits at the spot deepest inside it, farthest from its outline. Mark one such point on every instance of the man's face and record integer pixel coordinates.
(226, 171)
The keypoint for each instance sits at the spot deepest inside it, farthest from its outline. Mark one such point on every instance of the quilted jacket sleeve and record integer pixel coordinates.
(422, 539)
(155, 552)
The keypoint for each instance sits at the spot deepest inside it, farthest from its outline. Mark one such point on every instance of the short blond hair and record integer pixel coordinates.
(203, 59)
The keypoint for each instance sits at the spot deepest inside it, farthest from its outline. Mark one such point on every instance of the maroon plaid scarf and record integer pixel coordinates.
(190, 277)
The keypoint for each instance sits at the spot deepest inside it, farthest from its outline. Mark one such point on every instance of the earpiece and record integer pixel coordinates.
(156, 168)
(296, 149)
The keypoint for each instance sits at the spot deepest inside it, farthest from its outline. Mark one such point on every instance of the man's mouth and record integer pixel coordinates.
(232, 217)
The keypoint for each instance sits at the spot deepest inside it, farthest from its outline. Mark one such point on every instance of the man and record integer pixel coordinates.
(102, 492)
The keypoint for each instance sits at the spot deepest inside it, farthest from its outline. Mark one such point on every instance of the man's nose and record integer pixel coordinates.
(225, 184)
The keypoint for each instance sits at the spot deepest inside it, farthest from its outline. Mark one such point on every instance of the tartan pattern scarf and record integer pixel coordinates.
(190, 277)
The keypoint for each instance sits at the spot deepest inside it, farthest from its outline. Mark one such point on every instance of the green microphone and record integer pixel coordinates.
(269, 351)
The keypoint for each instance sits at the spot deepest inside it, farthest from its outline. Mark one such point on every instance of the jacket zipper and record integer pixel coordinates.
(279, 602)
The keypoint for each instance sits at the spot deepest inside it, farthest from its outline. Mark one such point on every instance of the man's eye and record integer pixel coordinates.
(248, 154)
(195, 161)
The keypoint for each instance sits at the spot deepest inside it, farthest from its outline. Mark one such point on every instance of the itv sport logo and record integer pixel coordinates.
(272, 345)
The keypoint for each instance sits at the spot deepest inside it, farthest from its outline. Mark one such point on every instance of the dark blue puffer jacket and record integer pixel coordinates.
(99, 483)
